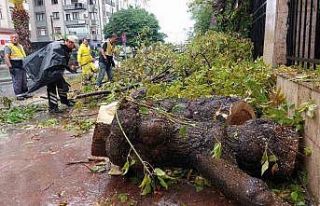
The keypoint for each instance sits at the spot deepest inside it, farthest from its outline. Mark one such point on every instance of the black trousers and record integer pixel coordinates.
(62, 87)
(19, 78)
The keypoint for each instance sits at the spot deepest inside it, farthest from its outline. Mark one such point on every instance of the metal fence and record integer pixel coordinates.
(303, 40)
(258, 26)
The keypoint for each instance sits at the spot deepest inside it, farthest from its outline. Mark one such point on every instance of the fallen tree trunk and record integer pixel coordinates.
(167, 142)
(223, 109)
(231, 110)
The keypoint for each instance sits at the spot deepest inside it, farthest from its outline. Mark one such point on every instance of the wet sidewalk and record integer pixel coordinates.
(34, 171)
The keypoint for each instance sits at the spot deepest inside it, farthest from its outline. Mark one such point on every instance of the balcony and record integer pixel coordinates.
(41, 23)
(76, 6)
(92, 8)
(75, 23)
(94, 22)
(111, 3)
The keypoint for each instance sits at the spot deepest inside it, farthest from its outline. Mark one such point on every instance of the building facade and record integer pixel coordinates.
(53, 19)
(6, 24)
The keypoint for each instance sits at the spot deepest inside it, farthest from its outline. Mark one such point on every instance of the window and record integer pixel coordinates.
(54, 1)
(57, 30)
(55, 15)
(92, 2)
(42, 31)
(68, 17)
(92, 15)
(75, 15)
(1, 17)
(40, 16)
(74, 1)
(38, 2)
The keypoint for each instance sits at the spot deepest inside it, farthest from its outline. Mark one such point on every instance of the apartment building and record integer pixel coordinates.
(53, 19)
(6, 25)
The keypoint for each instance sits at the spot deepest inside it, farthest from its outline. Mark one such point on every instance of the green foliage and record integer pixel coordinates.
(217, 150)
(79, 125)
(290, 116)
(224, 16)
(214, 63)
(49, 123)
(149, 182)
(235, 17)
(123, 197)
(201, 12)
(307, 151)
(143, 110)
(295, 191)
(200, 183)
(266, 160)
(139, 26)
(146, 185)
(183, 131)
(98, 168)
(16, 115)
(127, 165)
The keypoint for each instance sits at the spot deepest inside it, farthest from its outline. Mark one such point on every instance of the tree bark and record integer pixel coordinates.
(232, 111)
(164, 141)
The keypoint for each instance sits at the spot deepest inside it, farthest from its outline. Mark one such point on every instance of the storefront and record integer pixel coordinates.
(5, 36)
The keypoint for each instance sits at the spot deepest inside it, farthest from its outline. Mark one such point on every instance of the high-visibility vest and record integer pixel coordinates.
(110, 50)
(17, 52)
(84, 55)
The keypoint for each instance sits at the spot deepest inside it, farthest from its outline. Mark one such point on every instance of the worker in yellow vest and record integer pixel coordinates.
(14, 55)
(86, 61)
(106, 61)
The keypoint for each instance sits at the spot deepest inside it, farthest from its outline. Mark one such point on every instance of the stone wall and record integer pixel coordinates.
(298, 93)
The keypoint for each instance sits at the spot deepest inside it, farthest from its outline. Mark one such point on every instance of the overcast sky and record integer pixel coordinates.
(173, 16)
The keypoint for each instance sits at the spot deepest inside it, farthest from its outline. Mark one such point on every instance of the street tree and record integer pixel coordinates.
(138, 25)
(20, 18)
(224, 16)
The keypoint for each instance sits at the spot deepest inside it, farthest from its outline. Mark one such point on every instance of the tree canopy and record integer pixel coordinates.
(223, 16)
(139, 26)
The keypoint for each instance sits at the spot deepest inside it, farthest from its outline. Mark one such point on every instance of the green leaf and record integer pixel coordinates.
(217, 150)
(264, 157)
(264, 167)
(146, 190)
(200, 183)
(125, 167)
(273, 158)
(264, 162)
(294, 196)
(123, 197)
(162, 182)
(307, 151)
(144, 110)
(146, 185)
(183, 131)
(159, 172)
(98, 169)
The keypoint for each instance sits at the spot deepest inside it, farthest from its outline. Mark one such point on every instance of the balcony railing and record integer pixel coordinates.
(76, 6)
(111, 3)
(75, 22)
(94, 22)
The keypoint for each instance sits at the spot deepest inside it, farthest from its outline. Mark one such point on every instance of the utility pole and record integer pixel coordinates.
(111, 7)
(52, 31)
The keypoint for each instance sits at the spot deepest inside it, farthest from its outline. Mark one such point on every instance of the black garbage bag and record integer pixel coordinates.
(46, 65)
